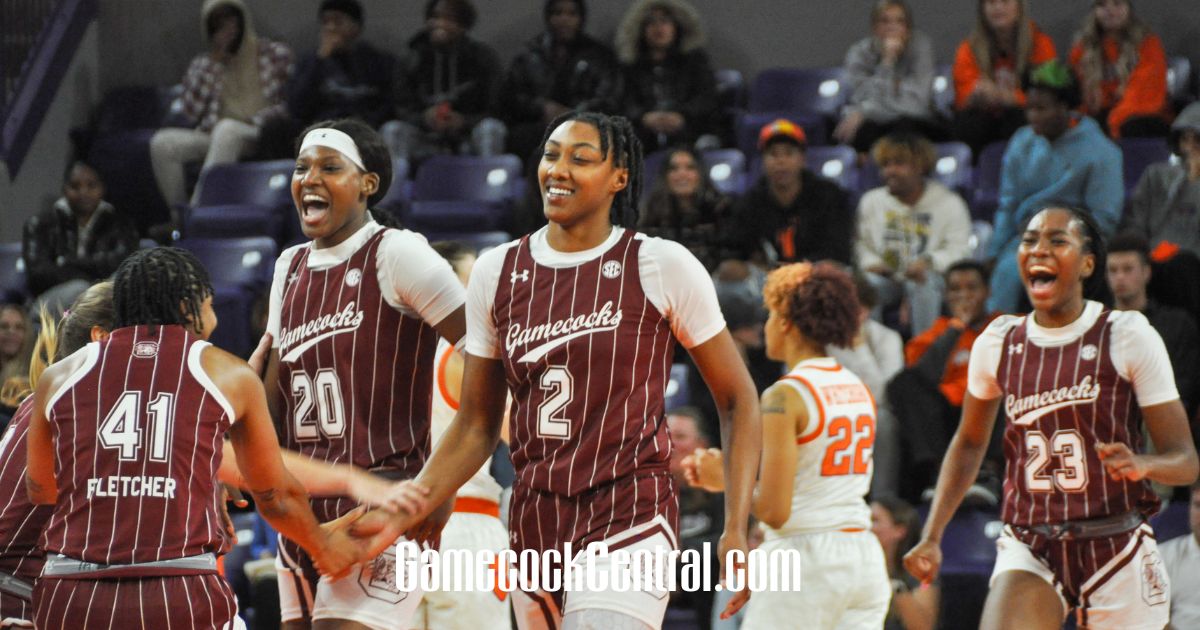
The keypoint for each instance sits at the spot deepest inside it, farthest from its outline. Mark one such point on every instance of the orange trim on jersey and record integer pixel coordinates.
(472, 505)
(804, 439)
(852, 530)
(837, 367)
(441, 378)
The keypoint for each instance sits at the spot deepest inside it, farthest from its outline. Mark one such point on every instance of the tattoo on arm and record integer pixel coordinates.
(773, 402)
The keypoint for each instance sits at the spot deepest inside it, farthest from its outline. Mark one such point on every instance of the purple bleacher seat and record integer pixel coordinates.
(456, 216)
(240, 270)
(981, 234)
(234, 220)
(131, 107)
(969, 543)
(481, 241)
(1179, 79)
(467, 178)
(267, 184)
(1139, 153)
(731, 88)
(943, 90)
(677, 387)
(815, 91)
(1171, 522)
(749, 124)
(987, 181)
(122, 157)
(838, 163)
(12, 271)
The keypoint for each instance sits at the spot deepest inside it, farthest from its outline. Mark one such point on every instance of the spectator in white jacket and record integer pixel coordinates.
(910, 230)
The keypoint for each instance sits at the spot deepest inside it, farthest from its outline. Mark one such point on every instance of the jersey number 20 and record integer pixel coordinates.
(849, 452)
(324, 392)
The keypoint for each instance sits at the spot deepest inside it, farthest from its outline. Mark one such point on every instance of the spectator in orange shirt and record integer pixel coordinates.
(1122, 69)
(927, 395)
(988, 100)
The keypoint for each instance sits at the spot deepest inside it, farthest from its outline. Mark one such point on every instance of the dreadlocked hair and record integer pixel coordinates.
(619, 136)
(1095, 286)
(817, 298)
(163, 286)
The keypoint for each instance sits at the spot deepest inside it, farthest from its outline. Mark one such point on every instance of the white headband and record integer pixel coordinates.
(336, 140)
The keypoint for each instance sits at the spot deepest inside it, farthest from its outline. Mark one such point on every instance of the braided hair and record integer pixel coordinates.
(617, 135)
(163, 286)
(1095, 286)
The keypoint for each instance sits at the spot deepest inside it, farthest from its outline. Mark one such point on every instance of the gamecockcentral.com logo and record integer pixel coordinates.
(593, 569)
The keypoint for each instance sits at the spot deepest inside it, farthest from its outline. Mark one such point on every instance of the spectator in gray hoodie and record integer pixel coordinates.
(1165, 210)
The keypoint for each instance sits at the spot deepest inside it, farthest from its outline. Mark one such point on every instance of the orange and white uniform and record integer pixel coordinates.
(844, 576)
(475, 525)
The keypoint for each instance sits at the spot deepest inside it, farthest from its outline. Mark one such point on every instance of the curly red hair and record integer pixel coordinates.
(817, 298)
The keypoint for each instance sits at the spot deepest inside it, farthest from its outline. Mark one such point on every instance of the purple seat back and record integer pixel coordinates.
(467, 178)
(1139, 153)
(816, 91)
(267, 184)
(242, 262)
(12, 271)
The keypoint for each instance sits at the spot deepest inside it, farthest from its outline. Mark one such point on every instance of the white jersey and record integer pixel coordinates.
(482, 485)
(833, 471)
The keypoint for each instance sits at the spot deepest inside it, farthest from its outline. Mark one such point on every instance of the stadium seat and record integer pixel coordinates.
(122, 158)
(731, 88)
(677, 387)
(987, 181)
(1137, 154)
(981, 234)
(12, 272)
(397, 195)
(814, 91)
(481, 241)
(838, 163)
(267, 184)
(1171, 522)
(467, 178)
(240, 270)
(969, 543)
(943, 90)
(1179, 79)
(236, 220)
(456, 216)
(749, 124)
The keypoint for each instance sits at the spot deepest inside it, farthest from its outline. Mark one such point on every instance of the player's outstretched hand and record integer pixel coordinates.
(431, 526)
(340, 550)
(731, 540)
(258, 358)
(704, 469)
(924, 561)
(402, 497)
(1120, 462)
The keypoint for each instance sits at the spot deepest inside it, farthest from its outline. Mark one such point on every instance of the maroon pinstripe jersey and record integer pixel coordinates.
(138, 431)
(21, 522)
(1060, 401)
(356, 374)
(587, 357)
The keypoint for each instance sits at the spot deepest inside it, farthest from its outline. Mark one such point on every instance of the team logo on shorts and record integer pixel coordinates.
(1154, 580)
(145, 349)
(378, 578)
(611, 269)
(353, 277)
(1088, 352)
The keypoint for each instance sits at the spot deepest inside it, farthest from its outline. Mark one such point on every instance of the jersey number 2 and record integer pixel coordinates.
(120, 429)
(849, 452)
(558, 385)
(325, 393)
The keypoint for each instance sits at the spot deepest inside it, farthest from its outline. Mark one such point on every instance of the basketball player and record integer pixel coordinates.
(579, 321)
(355, 315)
(124, 440)
(818, 434)
(91, 318)
(475, 524)
(1076, 382)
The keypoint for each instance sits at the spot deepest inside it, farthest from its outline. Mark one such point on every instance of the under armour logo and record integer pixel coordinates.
(523, 276)
(294, 277)
(1016, 348)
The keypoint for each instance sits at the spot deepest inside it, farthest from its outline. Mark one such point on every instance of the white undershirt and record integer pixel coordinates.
(413, 278)
(673, 280)
(1136, 350)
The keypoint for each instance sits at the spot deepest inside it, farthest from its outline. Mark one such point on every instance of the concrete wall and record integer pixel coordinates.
(151, 41)
(39, 182)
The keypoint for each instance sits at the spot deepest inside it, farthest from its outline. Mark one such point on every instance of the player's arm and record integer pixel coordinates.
(280, 499)
(784, 416)
(453, 326)
(1174, 461)
(960, 468)
(323, 479)
(40, 483)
